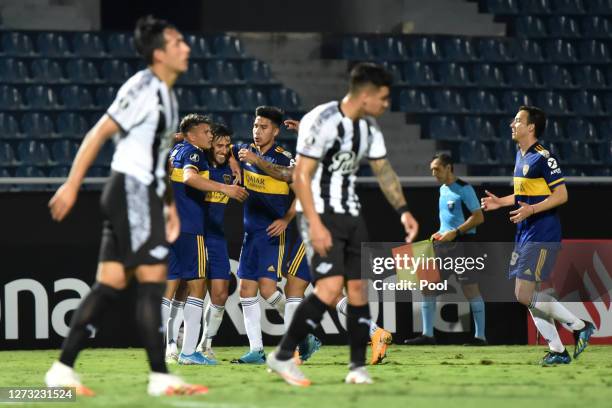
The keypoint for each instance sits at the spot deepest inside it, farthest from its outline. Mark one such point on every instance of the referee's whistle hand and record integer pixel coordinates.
(320, 238)
(62, 202)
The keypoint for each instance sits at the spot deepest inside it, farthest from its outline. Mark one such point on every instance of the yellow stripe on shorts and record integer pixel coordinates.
(201, 257)
(281, 254)
(541, 261)
(297, 260)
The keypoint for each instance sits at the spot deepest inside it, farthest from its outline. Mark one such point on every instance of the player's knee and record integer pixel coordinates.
(218, 299)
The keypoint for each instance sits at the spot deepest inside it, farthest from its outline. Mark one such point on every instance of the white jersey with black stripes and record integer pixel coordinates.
(339, 144)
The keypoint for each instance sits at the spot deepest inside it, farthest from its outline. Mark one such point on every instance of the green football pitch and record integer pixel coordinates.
(442, 376)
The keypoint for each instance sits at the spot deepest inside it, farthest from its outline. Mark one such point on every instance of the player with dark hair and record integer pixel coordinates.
(134, 238)
(332, 140)
(539, 189)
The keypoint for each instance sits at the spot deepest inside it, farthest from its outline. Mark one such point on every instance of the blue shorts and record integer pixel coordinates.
(261, 256)
(187, 259)
(533, 261)
(218, 258)
(296, 261)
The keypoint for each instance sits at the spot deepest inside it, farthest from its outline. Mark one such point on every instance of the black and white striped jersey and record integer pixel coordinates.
(338, 143)
(147, 112)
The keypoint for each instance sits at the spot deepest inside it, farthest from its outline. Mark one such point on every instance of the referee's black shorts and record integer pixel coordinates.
(344, 257)
(463, 246)
(133, 230)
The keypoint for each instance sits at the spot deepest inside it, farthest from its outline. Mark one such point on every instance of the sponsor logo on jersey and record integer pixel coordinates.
(194, 157)
(159, 252)
(324, 267)
(343, 162)
(552, 163)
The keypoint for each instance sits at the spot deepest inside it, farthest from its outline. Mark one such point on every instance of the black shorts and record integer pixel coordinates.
(133, 229)
(455, 251)
(344, 257)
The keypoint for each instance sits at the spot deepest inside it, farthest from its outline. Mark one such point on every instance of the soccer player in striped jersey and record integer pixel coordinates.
(539, 189)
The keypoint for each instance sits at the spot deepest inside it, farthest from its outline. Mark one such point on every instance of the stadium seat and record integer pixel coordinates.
(82, 71)
(555, 131)
(10, 98)
(9, 127)
(227, 47)
(248, 99)
(449, 101)
(454, 74)
(536, 7)
(76, 97)
(241, 124)
(53, 45)
(105, 95)
(569, 6)
(488, 75)
(594, 51)
(186, 98)
(16, 44)
(478, 128)
(413, 100)
(390, 49)
(105, 155)
(503, 126)
(41, 97)
(511, 100)
(528, 51)
(71, 125)
(581, 129)
(598, 7)
(88, 45)
(600, 172)
(418, 74)
(563, 26)
(425, 49)
(30, 171)
(474, 152)
(221, 72)
(577, 152)
(530, 27)
(7, 155)
(216, 99)
(33, 152)
(193, 76)
(557, 76)
(588, 76)
(608, 101)
(199, 46)
(596, 27)
(121, 45)
(481, 101)
(553, 103)
(605, 152)
(12, 70)
(59, 171)
(495, 50)
(256, 72)
(357, 49)
(395, 71)
(502, 7)
(37, 125)
(46, 71)
(444, 128)
(63, 151)
(5, 173)
(459, 49)
(285, 98)
(586, 103)
(555, 149)
(505, 151)
(116, 71)
(561, 51)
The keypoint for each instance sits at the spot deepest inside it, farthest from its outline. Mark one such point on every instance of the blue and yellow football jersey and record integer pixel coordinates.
(268, 197)
(215, 202)
(536, 174)
(189, 201)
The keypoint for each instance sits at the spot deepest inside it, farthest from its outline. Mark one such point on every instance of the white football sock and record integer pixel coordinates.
(165, 313)
(214, 317)
(550, 306)
(548, 330)
(175, 320)
(341, 308)
(252, 321)
(290, 307)
(193, 321)
(277, 301)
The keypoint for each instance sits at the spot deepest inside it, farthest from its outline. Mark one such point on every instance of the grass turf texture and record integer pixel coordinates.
(437, 376)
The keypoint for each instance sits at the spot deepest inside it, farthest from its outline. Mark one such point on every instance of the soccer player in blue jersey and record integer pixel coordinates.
(459, 212)
(190, 179)
(539, 188)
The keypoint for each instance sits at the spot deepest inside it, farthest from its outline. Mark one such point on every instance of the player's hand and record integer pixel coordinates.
(448, 236)
(173, 223)
(435, 236)
(293, 125)
(411, 226)
(277, 227)
(245, 155)
(235, 167)
(238, 193)
(490, 202)
(523, 212)
(62, 201)
(320, 238)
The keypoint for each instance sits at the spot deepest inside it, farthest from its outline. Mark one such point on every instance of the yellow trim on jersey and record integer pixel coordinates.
(297, 260)
(264, 184)
(201, 256)
(281, 254)
(556, 182)
(541, 261)
(216, 197)
(177, 174)
(530, 186)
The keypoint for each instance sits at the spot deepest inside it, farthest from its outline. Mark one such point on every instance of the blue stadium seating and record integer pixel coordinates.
(530, 27)
(555, 131)
(562, 51)
(489, 75)
(418, 73)
(553, 102)
(13, 70)
(450, 101)
(444, 128)
(536, 7)
(563, 26)
(256, 72)
(227, 47)
(121, 45)
(7, 155)
(586, 103)
(608, 102)
(569, 6)
(116, 71)
(47, 71)
(248, 99)
(216, 99)
(59, 171)
(357, 49)
(285, 98)
(528, 51)
(481, 101)
(395, 71)
(41, 97)
(390, 49)
(581, 129)
(496, 50)
(105, 155)
(199, 46)
(594, 51)
(241, 124)
(105, 95)
(459, 49)
(511, 100)
(53, 45)
(557, 76)
(523, 76)
(505, 152)
(425, 49)
(588, 76)
(71, 125)
(76, 97)
(502, 7)
(10, 98)
(599, 7)
(478, 128)
(63, 152)
(37, 125)
(412, 100)
(222, 72)
(474, 152)
(88, 45)
(82, 71)
(17, 44)
(577, 152)
(454, 74)
(33, 152)
(193, 76)
(186, 98)
(9, 127)
(605, 152)
(596, 27)
(5, 173)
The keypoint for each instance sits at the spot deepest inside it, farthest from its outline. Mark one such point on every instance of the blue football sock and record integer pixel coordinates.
(428, 312)
(478, 311)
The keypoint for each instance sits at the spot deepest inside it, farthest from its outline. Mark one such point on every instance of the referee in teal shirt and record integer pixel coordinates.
(460, 213)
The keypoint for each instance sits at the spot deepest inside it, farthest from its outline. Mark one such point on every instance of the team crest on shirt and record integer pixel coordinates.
(227, 178)
(194, 157)
(525, 169)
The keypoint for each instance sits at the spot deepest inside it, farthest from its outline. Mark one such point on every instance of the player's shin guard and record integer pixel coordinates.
(358, 327)
(307, 317)
(148, 319)
(86, 318)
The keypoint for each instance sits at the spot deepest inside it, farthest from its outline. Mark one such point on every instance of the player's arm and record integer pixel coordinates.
(392, 189)
(558, 197)
(277, 171)
(64, 198)
(492, 202)
(280, 225)
(320, 236)
(192, 178)
(475, 219)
